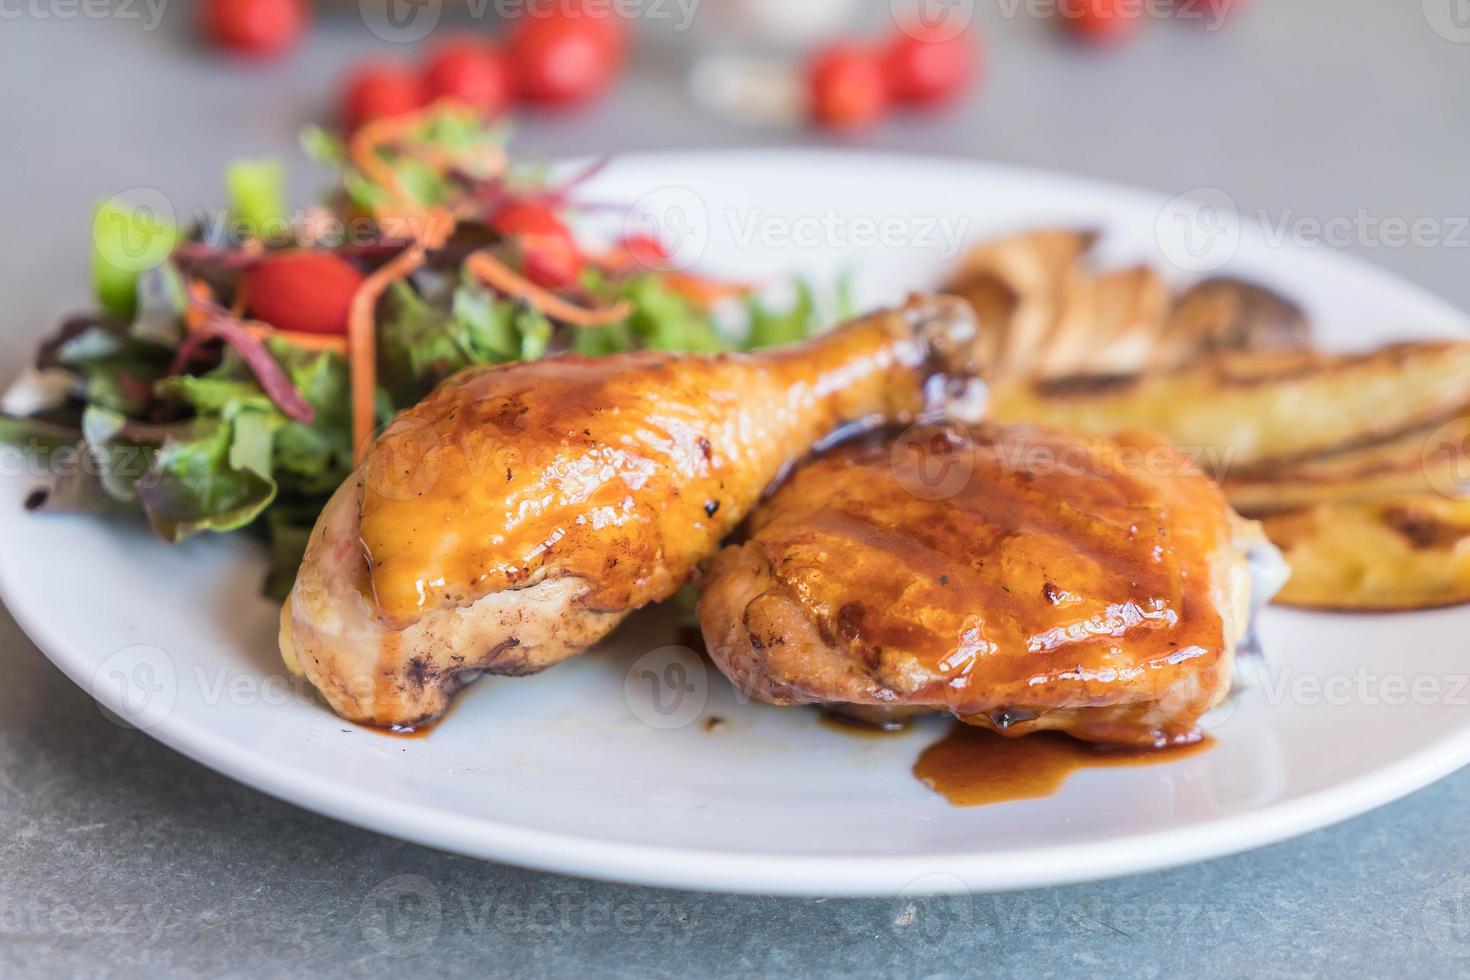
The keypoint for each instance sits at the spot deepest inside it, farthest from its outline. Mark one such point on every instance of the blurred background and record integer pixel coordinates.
(1305, 110)
(1335, 118)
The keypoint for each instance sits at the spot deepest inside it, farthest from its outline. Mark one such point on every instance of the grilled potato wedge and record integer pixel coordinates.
(1246, 409)
(1019, 286)
(1107, 323)
(1229, 314)
(1044, 312)
(1406, 552)
(1429, 459)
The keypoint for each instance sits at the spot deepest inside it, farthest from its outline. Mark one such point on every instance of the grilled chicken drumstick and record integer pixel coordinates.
(1021, 578)
(520, 512)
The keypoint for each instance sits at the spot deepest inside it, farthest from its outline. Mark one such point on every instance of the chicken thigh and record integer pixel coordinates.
(1020, 578)
(520, 512)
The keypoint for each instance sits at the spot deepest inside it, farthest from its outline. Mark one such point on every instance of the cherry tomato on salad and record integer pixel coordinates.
(928, 68)
(1102, 21)
(380, 90)
(566, 58)
(846, 87)
(645, 250)
(552, 258)
(260, 28)
(305, 291)
(470, 72)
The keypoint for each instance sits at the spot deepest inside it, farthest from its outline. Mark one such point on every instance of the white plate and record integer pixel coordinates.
(577, 770)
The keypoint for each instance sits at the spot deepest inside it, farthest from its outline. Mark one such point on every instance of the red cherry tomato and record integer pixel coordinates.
(565, 59)
(379, 90)
(306, 291)
(470, 72)
(550, 253)
(646, 250)
(926, 68)
(1102, 21)
(847, 87)
(260, 28)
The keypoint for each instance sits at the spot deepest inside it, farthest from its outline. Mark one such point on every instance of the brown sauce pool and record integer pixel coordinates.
(857, 728)
(973, 766)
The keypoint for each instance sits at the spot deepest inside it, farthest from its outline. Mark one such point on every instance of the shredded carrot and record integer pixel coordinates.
(363, 150)
(704, 291)
(201, 300)
(501, 277)
(362, 341)
(309, 341)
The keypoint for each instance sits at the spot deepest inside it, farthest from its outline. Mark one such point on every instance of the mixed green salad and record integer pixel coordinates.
(215, 386)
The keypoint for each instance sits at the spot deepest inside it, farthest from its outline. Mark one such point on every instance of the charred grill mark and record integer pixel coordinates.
(500, 659)
(419, 672)
(850, 621)
(1423, 530)
(1078, 385)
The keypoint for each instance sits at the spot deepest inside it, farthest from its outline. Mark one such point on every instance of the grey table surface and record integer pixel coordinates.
(118, 856)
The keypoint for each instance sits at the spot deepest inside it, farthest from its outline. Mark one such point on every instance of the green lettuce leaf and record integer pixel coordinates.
(256, 191)
(126, 241)
(194, 484)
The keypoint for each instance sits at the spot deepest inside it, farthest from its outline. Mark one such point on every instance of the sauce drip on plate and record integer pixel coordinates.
(859, 728)
(973, 766)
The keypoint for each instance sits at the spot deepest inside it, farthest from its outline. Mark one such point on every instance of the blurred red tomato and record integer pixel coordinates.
(260, 28)
(470, 72)
(1102, 21)
(306, 291)
(566, 57)
(379, 90)
(925, 68)
(552, 258)
(847, 87)
(645, 250)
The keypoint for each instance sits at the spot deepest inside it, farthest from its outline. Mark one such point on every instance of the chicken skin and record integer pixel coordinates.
(520, 512)
(1020, 578)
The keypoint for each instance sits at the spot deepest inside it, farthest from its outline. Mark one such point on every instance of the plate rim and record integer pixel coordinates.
(776, 873)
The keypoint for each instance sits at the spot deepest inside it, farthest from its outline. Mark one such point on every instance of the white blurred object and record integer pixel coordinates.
(37, 391)
(782, 23)
(750, 89)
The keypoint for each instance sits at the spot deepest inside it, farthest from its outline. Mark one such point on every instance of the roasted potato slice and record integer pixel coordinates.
(1433, 458)
(1107, 323)
(1018, 286)
(1247, 408)
(1044, 313)
(1407, 552)
(1230, 314)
